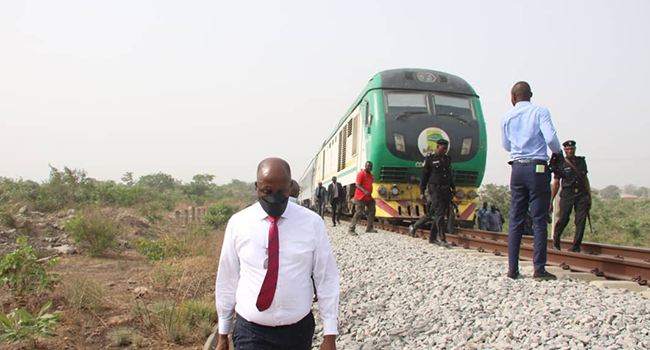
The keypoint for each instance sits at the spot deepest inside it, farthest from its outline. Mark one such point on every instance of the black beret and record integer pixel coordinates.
(442, 142)
(569, 143)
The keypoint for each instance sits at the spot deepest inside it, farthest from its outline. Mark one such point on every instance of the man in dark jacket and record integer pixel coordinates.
(438, 183)
(576, 193)
(336, 193)
(320, 195)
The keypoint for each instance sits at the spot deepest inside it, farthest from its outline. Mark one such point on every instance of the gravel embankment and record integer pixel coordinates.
(399, 292)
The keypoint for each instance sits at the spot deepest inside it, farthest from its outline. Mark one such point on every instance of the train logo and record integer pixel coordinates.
(427, 141)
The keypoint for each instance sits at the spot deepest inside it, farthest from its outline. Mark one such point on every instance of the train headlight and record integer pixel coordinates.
(466, 147)
(394, 190)
(460, 194)
(383, 191)
(399, 142)
(472, 194)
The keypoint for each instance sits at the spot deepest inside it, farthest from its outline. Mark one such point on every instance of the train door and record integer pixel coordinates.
(363, 124)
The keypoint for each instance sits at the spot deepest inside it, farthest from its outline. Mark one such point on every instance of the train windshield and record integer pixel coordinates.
(411, 101)
(454, 106)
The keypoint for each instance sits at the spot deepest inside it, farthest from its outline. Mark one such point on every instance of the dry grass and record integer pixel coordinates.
(83, 294)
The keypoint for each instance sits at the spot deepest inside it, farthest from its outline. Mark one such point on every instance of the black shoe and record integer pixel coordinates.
(412, 230)
(435, 241)
(334, 225)
(556, 248)
(543, 275)
(513, 274)
(574, 250)
(372, 230)
(444, 243)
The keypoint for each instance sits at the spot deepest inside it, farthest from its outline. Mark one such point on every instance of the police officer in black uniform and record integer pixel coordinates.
(576, 193)
(437, 182)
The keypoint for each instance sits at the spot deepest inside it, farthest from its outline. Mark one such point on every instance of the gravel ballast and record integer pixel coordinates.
(399, 292)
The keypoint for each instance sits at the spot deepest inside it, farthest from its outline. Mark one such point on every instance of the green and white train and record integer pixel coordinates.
(395, 122)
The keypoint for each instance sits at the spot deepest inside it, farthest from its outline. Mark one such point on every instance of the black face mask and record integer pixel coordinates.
(274, 204)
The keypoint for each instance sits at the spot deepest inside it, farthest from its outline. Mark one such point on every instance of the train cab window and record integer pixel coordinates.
(403, 101)
(454, 106)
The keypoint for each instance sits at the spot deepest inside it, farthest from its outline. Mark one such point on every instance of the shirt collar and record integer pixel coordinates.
(523, 103)
(262, 215)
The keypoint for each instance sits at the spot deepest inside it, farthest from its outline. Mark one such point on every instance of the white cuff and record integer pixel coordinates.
(224, 325)
(330, 326)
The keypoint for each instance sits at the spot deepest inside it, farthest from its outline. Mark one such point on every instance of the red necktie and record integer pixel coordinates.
(267, 292)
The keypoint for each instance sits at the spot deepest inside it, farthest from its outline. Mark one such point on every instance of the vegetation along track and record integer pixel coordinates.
(615, 262)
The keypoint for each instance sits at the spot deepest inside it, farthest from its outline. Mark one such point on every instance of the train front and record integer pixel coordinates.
(416, 108)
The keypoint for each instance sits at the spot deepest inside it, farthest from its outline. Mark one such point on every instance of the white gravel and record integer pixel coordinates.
(399, 292)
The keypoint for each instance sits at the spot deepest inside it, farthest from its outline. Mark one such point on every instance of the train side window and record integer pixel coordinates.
(355, 133)
(368, 115)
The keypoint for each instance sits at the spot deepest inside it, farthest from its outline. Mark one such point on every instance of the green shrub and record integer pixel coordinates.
(219, 214)
(163, 274)
(152, 211)
(158, 249)
(7, 219)
(92, 231)
(21, 325)
(21, 272)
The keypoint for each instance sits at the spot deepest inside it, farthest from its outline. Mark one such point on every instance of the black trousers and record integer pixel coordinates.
(252, 336)
(436, 210)
(581, 206)
(336, 211)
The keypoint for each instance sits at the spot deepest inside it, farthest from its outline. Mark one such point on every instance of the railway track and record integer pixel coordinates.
(610, 261)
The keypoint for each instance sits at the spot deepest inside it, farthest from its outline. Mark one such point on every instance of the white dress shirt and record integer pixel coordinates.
(305, 251)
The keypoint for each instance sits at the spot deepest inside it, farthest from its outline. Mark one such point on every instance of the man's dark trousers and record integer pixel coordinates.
(581, 204)
(335, 208)
(428, 215)
(529, 188)
(440, 202)
(251, 336)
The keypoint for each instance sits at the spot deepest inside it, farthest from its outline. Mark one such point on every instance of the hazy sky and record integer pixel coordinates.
(188, 87)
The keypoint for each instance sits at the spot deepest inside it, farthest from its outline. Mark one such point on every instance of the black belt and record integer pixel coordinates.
(527, 161)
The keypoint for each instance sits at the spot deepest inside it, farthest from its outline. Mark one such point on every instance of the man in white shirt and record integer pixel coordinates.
(271, 251)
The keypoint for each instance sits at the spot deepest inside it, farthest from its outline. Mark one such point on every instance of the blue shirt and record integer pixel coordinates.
(526, 130)
(482, 214)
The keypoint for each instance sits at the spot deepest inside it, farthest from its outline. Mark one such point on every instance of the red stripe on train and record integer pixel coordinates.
(387, 208)
(468, 211)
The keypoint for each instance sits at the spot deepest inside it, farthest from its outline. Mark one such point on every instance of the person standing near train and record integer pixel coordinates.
(363, 201)
(526, 132)
(275, 253)
(438, 183)
(336, 194)
(495, 219)
(320, 198)
(482, 217)
(576, 193)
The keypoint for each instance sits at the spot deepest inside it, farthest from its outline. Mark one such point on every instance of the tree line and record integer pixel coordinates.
(71, 188)
(614, 220)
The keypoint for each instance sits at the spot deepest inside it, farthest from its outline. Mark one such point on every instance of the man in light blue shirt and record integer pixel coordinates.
(526, 131)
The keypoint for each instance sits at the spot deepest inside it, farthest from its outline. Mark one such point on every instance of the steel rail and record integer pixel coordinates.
(586, 247)
(615, 262)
